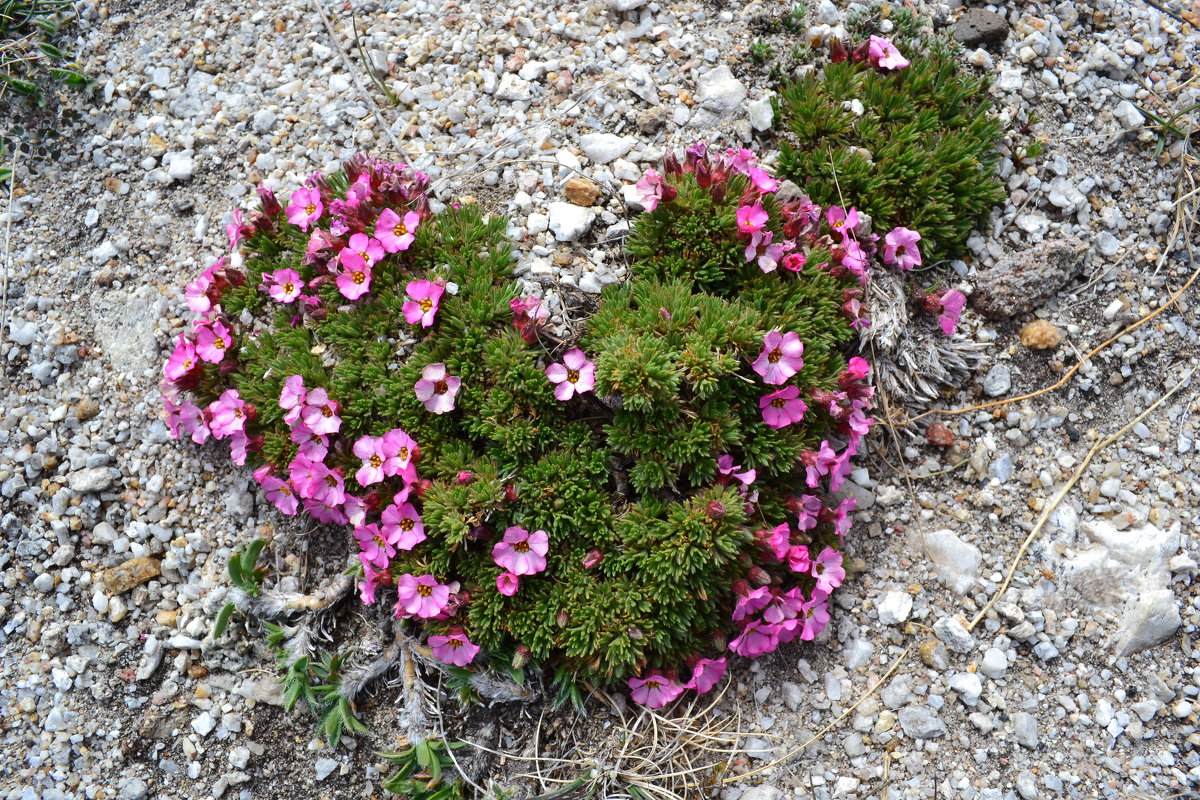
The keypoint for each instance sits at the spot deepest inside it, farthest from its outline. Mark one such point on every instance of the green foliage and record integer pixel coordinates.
(29, 58)
(923, 152)
(245, 575)
(761, 53)
(421, 771)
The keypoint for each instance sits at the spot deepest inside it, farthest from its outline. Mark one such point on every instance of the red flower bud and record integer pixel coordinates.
(422, 486)
(716, 509)
(521, 657)
(510, 493)
(592, 558)
(837, 51)
(759, 576)
(465, 477)
(740, 587)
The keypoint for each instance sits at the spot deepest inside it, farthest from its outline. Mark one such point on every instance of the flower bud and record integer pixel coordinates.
(521, 657)
(740, 587)
(562, 619)
(421, 486)
(465, 477)
(510, 493)
(270, 205)
(759, 576)
(593, 558)
(716, 509)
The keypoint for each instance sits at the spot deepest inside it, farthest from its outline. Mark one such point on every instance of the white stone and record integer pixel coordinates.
(957, 562)
(719, 97)
(625, 170)
(894, 607)
(760, 112)
(589, 283)
(182, 167)
(639, 81)
(602, 148)
(968, 686)
(204, 724)
(952, 632)
(846, 786)
(536, 223)
(763, 792)
(625, 5)
(826, 13)
(1127, 114)
(568, 221)
(994, 663)
(1148, 619)
(1009, 80)
(264, 120)
(512, 87)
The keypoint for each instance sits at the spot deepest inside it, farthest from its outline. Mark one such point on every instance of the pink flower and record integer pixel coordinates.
(808, 512)
(437, 389)
(782, 357)
(779, 541)
(283, 285)
(455, 649)
(750, 603)
(575, 375)
(507, 584)
(354, 282)
(841, 468)
(794, 261)
(857, 369)
(815, 614)
(420, 597)
(799, 559)
(652, 190)
(762, 181)
(370, 450)
(355, 509)
(755, 639)
(402, 525)
(191, 422)
(182, 360)
(522, 552)
(818, 463)
(320, 413)
(196, 292)
(291, 399)
(654, 691)
(394, 233)
(768, 254)
(361, 252)
(728, 469)
(952, 305)
(370, 581)
(842, 519)
(324, 513)
(842, 221)
(305, 208)
(900, 248)
(227, 414)
(751, 219)
(706, 674)
(423, 303)
(313, 446)
(235, 229)
(398, 451)
(213, 340)
(376, 548)
(827, 569)
(782, 407)
(883, 54)
(327, 485)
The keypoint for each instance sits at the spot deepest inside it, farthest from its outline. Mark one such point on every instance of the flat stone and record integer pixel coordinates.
(978, 26)
(325, 767)
(969, 687)
(581, 191)
(204, 724)
(719, 97)
(894, 607)
(956, 637)
(601, 148)
(994, 663)
(1021, 282)
(1025, 730)
(998, 381)
(921, 722)
(1149, 618)
(134, 572)
(95, 479)
(569, 221)
(957, 562)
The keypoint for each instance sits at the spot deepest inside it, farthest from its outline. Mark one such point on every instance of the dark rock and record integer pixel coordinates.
(1019, 283)
(978, 26)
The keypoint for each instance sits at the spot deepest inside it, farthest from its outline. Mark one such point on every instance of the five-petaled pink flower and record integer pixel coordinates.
(228, 414)
(762, 181)
(818, 463)
(652, 190)
(522, 552)
(403, 525)
(305, 208)
(235, 229)
(437, 388)
(768, 254)
(280, 494)
(952, 305)
(213, 341)
(370, 450)
(455, 649)
(424, 300)
(706, 674)
(728, 469)
(507, 583)
(420, 597)
(575, 375)
(377, 547)
(284, 285)
(900, 248)
(291, 398)
(827, 569)
(320, 413)
(883, 54)
(755, 639)
(782, 357)
(653, 691)
(361, 252)
(751, 219)
(370, 581)
(842, 221)
(354, 282)
(396, 233)
(182, 360)
(782, 407)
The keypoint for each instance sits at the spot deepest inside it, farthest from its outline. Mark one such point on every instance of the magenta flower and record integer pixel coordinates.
(370, 450)
(857, 369)
(402, 525)
(952, 305)
(327, 485)
(455, 649)
(354, 282)
(291, 398)
(182, 360)
(575, 375)
(852, 258)
(189, 418)
(818, 463)
(755, 639)
(762, 181)
(808, 512)
(799, 559)
(842, 519)
(437, 388)
(313, 446)
(227, 414)
(283, 285)
(654, 691)
(779, 540)
(399, 449)
(751, 219)
(751, 603)
(815, 614)
(841, 468)
(522, 552)
(213, 340)
(782, 407)
(900, 248)
(196, 292)
(305, 208)
(883, 54)
(507, 584)
(728, 469)
(370, 581)
(323, 513)
(355, 509)
(827, 569)
(361, 252)
(706, 674)
(320, 413)
(652, 190)
(420, 597)
(376, 549)
(782, 357)
(235, 229)
(768, 254)
(423, 303)
(794, 262)
(394, 233)
(842, 221)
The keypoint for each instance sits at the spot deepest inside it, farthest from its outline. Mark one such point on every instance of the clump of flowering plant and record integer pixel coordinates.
(638, 504)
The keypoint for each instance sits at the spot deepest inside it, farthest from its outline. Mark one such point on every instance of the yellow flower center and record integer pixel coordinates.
(521, 547)
(402, 454)
(219, 343)
(310, 209)
(237, 412)
(365, 257)
(400, 229)
(572, 375)
(375, 462)
(426, 304)
(187, 365)
(406, 524)
(774, 355)
(326, 412)
(652, 684)
(779, 402)
(424, 589)
(454, 644)
(379, 542)
(359, 277)
(288, 288)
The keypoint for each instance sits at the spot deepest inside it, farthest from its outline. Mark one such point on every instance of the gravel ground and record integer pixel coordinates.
(1082, 682)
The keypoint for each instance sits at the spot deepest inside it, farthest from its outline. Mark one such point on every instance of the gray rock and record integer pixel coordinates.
(1001, 467)
(994, 663)
(763, 792)
(55, 721)
(325, 767)
(625, 5)
(514, 88)
(998, 381)
(44, 583)
(204, 724)
(793, 695)
(894, 607)
(1148, 619)
(1045, 651)
(760, 113)
(134, 789)
(979, 26)
(569, 222)
(952, 632)
(96, 479)
(758, 749)
(957, 562)
(264, 120)
(826, 13)
(1127, 114)
(601, 148)
(182, 168)
(1025, 729)
(239, 757)
(968, 686)
(22, 332)
(1019, 283)
(1027, 785)
(921, 722)
(1107, 244)
(719, 97)
(1145, 709)
(639, 81)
